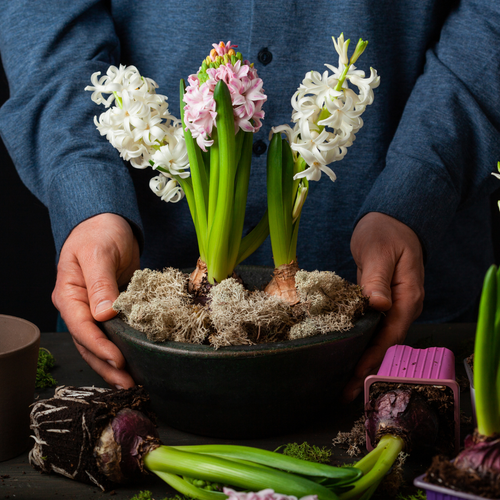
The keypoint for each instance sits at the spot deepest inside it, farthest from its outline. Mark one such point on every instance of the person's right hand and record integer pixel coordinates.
(99, 255)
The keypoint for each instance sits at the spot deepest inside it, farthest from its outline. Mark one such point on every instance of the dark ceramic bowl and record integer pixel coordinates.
(243, 391)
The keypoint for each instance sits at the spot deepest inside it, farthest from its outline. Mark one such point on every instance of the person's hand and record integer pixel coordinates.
(99, 255)
(389, 258)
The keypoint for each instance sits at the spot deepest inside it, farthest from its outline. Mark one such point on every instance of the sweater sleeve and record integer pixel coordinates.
(49, 51)
(448, 140)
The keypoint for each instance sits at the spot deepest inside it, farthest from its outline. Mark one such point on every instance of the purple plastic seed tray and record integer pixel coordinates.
(435, 492)
(407, 365)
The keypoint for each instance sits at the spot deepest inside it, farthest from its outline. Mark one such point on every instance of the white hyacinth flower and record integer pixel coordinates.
(172, 157)
(167, 189)
(139, 125)
(327, 112)
(341, 48)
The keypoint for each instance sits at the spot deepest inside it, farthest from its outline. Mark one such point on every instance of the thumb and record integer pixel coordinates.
(375, 279)
(102, 288)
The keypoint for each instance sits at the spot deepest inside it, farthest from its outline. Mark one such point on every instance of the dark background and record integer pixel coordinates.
(27, 253)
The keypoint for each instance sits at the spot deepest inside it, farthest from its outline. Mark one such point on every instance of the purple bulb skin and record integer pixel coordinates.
(480, 455)
(405, 413)
(123, 443)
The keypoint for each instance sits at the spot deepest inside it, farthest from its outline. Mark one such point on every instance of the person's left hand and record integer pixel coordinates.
(390, 264)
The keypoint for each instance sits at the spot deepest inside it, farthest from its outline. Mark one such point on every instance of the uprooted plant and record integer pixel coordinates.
(397, 420)
(400, 419)
(105, 437)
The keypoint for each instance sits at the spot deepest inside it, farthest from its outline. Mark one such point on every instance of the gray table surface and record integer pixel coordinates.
(18, 480)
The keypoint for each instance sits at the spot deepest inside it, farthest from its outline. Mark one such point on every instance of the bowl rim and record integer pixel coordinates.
(118, 326)
(34, 334)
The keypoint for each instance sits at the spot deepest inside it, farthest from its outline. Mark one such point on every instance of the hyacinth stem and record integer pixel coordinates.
(230, 472)
(282, 199)
(292, 252)
(487, 356)
(275, 200)
(218, 244)
(368, 461)
(279, 221)
(187, 187)
(386, 453)
(187, 489)
(253, 239)
(287, 182)
(300, 188)
(299, 166)
(213, 179)
(200, 184)
(370, 491)
(273, 459)
(244, 142)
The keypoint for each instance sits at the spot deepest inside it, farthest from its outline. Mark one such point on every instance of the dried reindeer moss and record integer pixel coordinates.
(159, 305)
(248, 317)
(333, 303)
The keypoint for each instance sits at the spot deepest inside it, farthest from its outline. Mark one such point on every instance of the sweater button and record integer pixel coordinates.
(259, 148)
(265, 56)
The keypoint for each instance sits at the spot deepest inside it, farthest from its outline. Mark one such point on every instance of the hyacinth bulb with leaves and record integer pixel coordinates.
(223, 109)
(206, 157)
(326, 116)
(476, 469)
(104, 438)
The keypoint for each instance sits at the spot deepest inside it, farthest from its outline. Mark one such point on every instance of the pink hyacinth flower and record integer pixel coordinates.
(267, 494)
(247, 97)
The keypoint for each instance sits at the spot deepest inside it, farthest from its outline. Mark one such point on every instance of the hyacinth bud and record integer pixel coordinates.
(299, 201)
(360, 48)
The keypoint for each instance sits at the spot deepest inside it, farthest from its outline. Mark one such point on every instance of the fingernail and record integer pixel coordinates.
(103, 306)
(119, 387)
(112, 363)
(380, 294)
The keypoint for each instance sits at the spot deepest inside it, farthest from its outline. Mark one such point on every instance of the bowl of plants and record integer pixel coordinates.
(475, 472)
(248, 389)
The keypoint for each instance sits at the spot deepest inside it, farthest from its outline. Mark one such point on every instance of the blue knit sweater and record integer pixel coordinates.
(425, 155)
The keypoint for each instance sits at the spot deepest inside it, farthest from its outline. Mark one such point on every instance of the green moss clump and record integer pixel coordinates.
(147, 495)
(45, 363)
(420, 495)
(305, 451)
